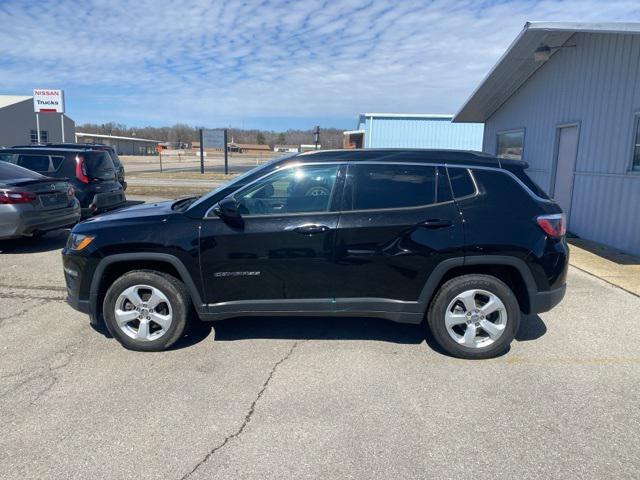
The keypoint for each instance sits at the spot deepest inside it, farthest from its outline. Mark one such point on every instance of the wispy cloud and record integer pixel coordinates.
(220, 62)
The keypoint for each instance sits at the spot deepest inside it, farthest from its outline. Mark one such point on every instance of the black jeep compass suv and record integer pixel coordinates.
(462, 240)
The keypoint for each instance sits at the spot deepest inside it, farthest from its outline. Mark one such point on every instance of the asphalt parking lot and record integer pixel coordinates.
(312, 398)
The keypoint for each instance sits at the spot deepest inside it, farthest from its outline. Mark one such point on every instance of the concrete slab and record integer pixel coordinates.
(613, 266)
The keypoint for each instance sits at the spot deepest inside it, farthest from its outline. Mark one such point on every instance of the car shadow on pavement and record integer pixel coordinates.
(54, 240)
(318, 328)
(325, 328)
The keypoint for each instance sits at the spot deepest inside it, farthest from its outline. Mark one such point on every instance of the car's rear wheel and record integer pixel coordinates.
(147, 310)
(474, 316)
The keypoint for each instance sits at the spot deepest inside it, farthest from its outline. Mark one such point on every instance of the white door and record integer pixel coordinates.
(565, 166)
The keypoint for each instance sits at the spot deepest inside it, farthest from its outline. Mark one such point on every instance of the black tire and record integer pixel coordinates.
(454, 287)
(178, 298)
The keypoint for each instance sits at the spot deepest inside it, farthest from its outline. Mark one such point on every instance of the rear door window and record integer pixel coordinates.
(37, 163)
(5, 157)
(461, 182)
(384, 186)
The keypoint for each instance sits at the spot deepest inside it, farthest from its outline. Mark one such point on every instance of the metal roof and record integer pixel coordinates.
(517, 64)
(407, 115)
(8, 100)
(114, 137)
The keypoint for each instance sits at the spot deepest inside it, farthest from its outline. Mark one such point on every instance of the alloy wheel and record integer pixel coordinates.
(476, 318)
(143, 313)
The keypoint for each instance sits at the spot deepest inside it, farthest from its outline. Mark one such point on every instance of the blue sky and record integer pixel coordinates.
(265, 64)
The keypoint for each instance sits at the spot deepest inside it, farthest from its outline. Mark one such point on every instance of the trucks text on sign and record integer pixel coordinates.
(45, 100)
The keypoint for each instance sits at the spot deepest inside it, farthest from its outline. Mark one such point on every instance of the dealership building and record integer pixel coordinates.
(565, 97)
(18, 125)
(409, 130)
(122, 145)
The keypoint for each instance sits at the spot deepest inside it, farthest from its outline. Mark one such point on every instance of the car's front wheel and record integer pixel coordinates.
(147, 310)
(474, 316)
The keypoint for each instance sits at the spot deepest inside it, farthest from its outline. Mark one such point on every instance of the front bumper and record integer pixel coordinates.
(78, 272)
(80, 305)
(545, 301)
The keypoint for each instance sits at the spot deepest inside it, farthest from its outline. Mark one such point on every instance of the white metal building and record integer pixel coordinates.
(412, 130)
(18, 123)
(565, 97)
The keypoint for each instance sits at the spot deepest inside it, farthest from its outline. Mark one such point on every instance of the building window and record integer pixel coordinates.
(44, 136)
(636, 145)
(510, 144)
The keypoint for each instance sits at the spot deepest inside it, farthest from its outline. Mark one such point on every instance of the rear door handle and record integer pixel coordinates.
(436, 223)
(311, 229)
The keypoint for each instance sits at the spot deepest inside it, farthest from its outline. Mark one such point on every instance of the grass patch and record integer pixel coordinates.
(185, 175)
(167, 192)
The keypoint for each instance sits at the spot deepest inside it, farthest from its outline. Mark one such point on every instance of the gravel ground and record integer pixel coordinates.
(312, 398)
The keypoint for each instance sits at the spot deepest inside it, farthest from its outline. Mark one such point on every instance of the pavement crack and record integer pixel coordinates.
(31, 297)
(21, 312)
(33, 287)
(247, 417)
(54, 362)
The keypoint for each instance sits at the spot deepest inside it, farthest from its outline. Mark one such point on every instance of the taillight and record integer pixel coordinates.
(81, 169)
(553, 225)
(8, 197)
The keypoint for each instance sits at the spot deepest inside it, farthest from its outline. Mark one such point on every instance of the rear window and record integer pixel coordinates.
(99, 164)
(116, 159)
(524, 178)
(37, 163)
(9, 171)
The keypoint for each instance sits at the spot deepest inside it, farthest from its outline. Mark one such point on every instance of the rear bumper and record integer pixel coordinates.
(18, 223)
(545, 301)
(103, 202)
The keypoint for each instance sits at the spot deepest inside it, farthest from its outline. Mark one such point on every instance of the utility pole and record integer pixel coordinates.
(316, 135)
(201, 152)
(226, 159)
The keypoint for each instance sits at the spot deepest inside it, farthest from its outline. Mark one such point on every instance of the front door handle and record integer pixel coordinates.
(436, 223)
(311, 229)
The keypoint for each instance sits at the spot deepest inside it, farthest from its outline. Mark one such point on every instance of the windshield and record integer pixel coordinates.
(239, 180)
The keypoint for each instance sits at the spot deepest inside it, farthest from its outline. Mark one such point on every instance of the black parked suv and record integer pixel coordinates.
(461, 239)
(120, 173)
(92, 173)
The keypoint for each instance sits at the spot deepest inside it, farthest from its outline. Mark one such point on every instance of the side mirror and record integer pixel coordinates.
(227, 210)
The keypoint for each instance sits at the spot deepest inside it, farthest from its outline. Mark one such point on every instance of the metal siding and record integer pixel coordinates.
(398, 132)
(18, 120)
(596, 84)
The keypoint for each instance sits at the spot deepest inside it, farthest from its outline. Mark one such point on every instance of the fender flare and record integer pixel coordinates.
(446, 265)
(174, 261)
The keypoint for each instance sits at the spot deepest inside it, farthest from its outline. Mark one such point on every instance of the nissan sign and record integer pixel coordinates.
(45, 100)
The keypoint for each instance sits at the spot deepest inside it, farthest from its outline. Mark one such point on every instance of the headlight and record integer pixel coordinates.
(79, 242)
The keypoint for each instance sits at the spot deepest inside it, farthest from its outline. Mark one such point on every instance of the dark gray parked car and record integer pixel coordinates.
(31, 204)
